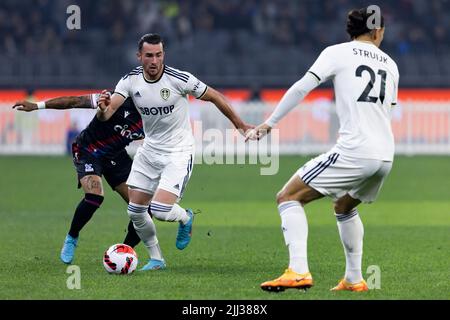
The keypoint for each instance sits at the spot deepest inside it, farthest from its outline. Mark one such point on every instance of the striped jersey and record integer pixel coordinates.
(106, 139)
(163, 105)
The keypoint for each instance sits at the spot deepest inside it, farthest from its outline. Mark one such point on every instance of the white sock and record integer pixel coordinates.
(166, 212)
(295, 231)
(155, 252)
(351, 231)
(145, 228)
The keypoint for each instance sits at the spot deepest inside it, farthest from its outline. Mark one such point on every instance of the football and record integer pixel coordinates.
(120, 258)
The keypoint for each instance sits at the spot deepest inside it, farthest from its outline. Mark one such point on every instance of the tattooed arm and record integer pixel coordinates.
(69, 102)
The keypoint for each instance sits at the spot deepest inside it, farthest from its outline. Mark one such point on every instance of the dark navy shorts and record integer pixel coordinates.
(115, 170)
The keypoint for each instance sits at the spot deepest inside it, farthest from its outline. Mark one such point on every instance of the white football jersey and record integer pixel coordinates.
(163, 105)
(365, 83)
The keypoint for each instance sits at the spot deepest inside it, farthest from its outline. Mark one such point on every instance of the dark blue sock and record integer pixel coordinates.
(84, 212)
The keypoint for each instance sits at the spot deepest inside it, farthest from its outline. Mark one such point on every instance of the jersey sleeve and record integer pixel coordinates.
(123, 87)
(295, 94)
(324, 67)
(194, 87)
(395, 97)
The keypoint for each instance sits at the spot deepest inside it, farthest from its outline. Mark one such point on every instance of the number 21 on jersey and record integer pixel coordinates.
(365, 97)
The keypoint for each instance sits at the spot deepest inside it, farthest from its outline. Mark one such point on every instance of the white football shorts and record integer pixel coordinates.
(170, 171)
(334, 174)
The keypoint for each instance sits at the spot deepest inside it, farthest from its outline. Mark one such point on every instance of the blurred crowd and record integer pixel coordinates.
(38, 27)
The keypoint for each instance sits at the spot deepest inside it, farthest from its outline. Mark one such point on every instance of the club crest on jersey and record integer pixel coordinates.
(88, 167)
(165, 93)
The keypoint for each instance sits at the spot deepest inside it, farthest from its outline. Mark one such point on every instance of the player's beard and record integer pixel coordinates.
(154, 70)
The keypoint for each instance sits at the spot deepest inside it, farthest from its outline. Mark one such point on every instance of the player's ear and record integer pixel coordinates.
(138, 55)
(379, 34)
(373, 34)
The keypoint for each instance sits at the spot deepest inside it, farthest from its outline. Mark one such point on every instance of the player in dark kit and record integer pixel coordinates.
(99, 150)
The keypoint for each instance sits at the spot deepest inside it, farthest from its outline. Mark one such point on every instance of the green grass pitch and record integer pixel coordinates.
(237, 242)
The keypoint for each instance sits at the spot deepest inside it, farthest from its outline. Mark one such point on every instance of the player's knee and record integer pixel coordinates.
(283, 196)
(345, 204)
(92, 184)
(342, 207)
(337, 208)
(279, 197)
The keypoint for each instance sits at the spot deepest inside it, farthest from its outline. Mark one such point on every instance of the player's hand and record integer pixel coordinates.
(245, 128)
(258, 132)
(25, 106)
(104, 100)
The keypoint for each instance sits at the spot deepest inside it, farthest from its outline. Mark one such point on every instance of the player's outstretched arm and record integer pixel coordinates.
(108, 104)
(59, 103)
(296, 93)
(222, 104)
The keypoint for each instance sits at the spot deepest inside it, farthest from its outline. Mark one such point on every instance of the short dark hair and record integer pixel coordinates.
(152, 38)
(357, 22)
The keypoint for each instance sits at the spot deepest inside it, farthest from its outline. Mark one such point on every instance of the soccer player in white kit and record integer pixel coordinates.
(365, 82)
(163, 165)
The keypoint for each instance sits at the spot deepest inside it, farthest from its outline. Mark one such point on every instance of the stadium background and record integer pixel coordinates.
(252, 51)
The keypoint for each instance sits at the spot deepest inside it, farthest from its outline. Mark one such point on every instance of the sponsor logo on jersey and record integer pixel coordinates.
(165, 93)
(127, 133)
(156, 110)
(88, 167)
(137, 94)
(126, 114)
(177, 186)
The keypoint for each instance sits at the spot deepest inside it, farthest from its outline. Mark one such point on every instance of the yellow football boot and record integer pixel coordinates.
(344, 285)
(289, 279)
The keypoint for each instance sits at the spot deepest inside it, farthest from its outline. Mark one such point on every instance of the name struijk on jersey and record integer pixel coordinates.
(369, 54)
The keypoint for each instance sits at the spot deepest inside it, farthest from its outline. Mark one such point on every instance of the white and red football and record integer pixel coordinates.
(120, 258)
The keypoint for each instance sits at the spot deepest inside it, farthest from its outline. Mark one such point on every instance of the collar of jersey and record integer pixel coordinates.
(364, 41)
(154, 81)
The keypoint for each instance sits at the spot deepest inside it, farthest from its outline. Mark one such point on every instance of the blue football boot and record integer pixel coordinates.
(154, 264)
(68, 249)
(185, 232)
